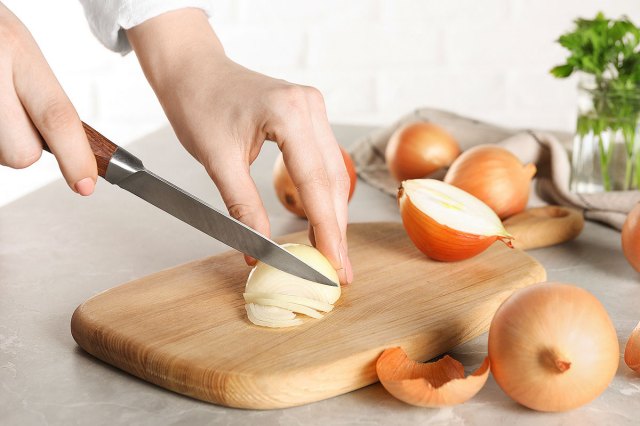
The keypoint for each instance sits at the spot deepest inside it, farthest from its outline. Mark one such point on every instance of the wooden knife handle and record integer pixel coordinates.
(102, 148)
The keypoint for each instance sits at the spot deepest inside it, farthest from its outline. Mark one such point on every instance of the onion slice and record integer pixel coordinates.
(434, 384)
(271, 316)
(632, 350)
(311, 303)
(291, 307)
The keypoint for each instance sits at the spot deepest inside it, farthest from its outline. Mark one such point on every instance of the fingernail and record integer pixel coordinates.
(250, 261)
(84, 186)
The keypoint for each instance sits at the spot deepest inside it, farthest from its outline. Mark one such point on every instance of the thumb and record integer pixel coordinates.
(240, 195)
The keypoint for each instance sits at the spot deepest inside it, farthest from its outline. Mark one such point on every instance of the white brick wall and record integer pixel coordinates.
(373, 60)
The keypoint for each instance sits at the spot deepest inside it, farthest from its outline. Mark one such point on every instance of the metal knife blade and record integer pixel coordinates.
(128, 172)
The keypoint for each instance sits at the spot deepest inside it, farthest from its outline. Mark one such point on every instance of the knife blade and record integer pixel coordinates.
(121, 168)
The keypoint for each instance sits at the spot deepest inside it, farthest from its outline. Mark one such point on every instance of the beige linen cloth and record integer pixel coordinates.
(547, 150)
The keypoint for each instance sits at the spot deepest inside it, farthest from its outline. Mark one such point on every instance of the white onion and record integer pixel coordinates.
(271, 316)
(275, 297)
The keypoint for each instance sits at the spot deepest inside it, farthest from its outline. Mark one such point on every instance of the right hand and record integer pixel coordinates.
(34, 107)
(222, 113)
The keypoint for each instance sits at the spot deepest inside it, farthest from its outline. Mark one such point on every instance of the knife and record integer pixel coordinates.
(121, 168)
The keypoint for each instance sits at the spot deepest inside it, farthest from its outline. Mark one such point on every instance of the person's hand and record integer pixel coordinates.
(222, 113)
(34, 107)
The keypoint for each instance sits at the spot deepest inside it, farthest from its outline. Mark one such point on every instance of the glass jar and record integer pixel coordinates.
(605, 153)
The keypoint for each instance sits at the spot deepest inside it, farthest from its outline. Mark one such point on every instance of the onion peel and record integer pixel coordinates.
(435, 384)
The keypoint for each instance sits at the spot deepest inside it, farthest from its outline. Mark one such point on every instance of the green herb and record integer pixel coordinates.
(609, 50)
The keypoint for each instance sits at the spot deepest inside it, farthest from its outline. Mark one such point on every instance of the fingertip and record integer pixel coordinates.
(347, 261)
(85, 186)
(349, 271)
(336, 255)
(337, 259)
(345, 272)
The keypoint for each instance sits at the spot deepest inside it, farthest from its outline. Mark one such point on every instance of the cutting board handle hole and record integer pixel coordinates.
(551, 211)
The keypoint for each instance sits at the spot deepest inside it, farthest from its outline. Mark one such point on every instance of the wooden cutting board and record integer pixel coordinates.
(186, 328)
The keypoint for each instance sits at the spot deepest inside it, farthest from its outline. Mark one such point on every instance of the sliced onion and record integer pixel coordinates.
(314, 304)
(268, 287)
(271, 316)
(291, 307)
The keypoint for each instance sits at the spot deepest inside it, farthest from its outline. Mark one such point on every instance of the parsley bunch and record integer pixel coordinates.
(609, 50)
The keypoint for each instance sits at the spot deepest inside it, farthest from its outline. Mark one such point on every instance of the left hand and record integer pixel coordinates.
(222, 113)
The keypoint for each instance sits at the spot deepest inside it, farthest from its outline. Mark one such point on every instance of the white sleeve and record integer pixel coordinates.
(109, 18)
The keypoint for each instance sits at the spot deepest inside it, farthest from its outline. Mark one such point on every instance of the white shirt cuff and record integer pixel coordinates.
(109, 18)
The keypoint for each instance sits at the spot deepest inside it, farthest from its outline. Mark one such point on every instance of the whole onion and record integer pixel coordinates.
(288, 193)
(553, 347)
(495, 176)
(631, 237)
(419, 149)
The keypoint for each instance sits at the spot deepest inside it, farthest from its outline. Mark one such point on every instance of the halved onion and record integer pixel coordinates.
(447, 223)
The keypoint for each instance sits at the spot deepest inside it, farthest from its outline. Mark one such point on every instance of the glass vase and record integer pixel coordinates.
(605, 153)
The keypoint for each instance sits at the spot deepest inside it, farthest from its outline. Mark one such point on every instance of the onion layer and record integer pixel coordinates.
(446, 223)
(418, 149)
(553, 347)
(495, 176)
(274, 297)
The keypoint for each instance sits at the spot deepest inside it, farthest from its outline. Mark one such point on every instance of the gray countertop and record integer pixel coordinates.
(58, 249)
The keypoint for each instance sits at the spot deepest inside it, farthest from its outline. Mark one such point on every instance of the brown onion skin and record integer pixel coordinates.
(419, 149)
(632, 350)
(432, 384)
(631, 237)
(495, 176)
(548, 317)
(437, 241)
(287, 192)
